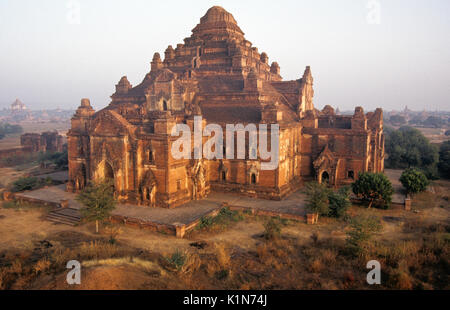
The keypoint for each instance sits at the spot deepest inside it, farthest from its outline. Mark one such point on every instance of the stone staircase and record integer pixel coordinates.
(66, 216)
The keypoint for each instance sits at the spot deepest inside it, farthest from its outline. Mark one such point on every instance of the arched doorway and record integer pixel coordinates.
(108, 172)
(164, 105)
(325, 178)
(105, 173)
(253, 178)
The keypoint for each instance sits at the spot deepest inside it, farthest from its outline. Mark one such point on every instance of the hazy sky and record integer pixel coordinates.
(48, 62)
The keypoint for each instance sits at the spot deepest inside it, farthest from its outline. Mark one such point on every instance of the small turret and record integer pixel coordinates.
(123, 86)
(275, 68)
(169, 53)
(359, 120)
(264, 58)
(307, 76)
(82, 115)
(156, 62)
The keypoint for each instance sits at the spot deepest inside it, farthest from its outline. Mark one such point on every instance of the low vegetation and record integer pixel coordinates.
(30, 183)
(361, 232)
(225, 219)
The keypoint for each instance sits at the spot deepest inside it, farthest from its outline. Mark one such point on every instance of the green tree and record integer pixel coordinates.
(361, 232)
(444, 159)
(98, 202)
(374, 187)
(414, 181)
(339, 202)
(317, 198)
(408, 147)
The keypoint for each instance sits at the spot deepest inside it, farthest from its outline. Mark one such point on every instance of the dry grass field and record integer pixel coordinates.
(413, 249)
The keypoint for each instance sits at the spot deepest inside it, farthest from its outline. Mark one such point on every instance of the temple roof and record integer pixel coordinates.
(217, 21)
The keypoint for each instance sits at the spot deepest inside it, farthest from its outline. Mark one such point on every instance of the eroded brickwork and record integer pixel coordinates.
(44, 142)
(217, 74)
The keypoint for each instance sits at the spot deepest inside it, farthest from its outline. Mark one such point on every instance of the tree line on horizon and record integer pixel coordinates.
(7, 129)
(407, 147)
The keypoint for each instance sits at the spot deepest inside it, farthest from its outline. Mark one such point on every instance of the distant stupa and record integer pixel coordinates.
(18, 106)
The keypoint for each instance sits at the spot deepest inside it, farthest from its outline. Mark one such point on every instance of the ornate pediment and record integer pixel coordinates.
(111, 123)
(164, 76)
(326, 159)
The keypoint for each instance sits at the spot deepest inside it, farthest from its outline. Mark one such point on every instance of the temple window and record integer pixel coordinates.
(224, 176)
(150, 156)
(164, 105)
(253, 178)
(351, 174)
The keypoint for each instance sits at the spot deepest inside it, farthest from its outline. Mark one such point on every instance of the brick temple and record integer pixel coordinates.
(217, 74)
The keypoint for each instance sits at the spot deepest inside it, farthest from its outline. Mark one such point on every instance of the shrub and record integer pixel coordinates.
(361, 231)
(98, 250)
(374, 187)
(272, 229)
(222, 255)
(414, 181)
(177, 259)
(113, 232)
(317, 198)
(42, 266)
(29, 183)
(223, 219)
(339, 202)
(205, 222)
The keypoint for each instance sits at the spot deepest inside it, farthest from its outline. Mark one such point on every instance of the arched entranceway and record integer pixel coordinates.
(325, 178)
(109, 172)
(253, 178)
(105, 173)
